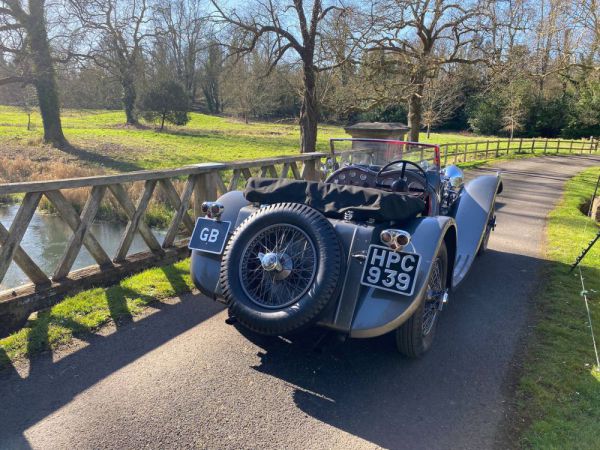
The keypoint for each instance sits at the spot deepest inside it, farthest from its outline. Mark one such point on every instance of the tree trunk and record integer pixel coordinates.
(309, 112)
(428, 130)
(415, 111)
(129, 97)
(44, 75)
(162, 122)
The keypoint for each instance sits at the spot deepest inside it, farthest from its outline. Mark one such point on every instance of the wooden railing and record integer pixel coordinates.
(196, 183)
(184, 189)
(461, 152)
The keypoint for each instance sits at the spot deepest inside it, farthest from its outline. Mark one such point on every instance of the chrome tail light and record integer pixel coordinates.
(212, 209)
(395, 239)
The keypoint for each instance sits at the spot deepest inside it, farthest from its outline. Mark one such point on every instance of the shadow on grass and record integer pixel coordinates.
(106, 161)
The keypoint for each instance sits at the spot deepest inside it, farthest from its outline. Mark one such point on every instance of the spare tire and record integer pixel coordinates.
(281, 268)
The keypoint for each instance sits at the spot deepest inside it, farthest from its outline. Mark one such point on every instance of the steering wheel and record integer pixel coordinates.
(401, 185)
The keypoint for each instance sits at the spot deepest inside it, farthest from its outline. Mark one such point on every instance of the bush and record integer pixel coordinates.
(485, 115)
(166, 101)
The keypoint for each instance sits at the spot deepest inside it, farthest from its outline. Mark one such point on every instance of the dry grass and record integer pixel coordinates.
(19, 169)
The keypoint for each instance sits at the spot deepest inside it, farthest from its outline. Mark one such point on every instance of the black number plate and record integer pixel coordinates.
(209, 235)
(391, 271)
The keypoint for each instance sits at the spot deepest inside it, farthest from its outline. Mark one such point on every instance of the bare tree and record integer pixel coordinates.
(210, 80)
(443, 96)
(420, 36)
(23, 34)
(181, 25)
(281, 20)
(115, 31)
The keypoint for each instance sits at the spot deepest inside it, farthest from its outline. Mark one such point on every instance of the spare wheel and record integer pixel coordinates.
(281, 268)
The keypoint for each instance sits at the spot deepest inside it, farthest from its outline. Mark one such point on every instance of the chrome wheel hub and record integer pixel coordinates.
(279, 263)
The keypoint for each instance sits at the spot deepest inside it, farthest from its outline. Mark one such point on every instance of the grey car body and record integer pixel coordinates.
(360, 311)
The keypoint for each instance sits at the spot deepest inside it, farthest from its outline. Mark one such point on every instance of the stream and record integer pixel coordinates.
(46, 239)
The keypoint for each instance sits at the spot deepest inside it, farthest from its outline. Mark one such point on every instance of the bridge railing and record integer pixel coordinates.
(184, 189)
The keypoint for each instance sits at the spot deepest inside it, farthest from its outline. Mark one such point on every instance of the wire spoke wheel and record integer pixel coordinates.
(435, 289)
(415, 336)
(278, 266)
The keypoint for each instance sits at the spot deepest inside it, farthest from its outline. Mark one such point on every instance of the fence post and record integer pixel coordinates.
(455, 153)
(545, 146)
(558, 146)
(533, 146)
(520, 145)
(204, 189)
(310, 171)
(476, 150)
(487, 148)
(571, 147)
(445, 154)
(465, 155)
(497, 148)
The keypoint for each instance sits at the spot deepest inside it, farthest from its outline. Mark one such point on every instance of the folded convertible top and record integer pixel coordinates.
(333, 200)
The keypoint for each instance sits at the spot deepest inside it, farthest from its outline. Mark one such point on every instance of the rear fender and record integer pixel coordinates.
(377, 311)
(205, 267)
(471, 213)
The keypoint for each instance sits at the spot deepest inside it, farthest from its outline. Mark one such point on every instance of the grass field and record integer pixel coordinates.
(102, 139)
(559, 393)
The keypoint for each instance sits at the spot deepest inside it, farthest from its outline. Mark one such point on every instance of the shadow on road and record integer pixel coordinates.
(49, 385)
(367, 389)
(362, 387)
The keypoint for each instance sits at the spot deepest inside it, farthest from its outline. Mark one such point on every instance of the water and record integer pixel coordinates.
(47, 237)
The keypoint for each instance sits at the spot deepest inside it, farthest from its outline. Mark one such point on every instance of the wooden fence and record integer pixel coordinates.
(461, 152)
(197, 183)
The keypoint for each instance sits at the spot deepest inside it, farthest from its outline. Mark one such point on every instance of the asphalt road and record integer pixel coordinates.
(181, 377)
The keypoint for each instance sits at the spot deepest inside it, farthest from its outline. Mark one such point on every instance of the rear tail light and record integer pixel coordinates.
(395, 239)
(212, 209)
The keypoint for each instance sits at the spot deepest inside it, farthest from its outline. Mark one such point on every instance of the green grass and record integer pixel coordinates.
(87, 311)
(559, 392)
(205, 139)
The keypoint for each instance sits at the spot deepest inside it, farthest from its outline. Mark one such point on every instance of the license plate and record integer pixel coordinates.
(209, 235)
(391, 271)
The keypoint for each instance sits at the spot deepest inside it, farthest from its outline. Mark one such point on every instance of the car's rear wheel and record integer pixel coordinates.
(281, 268)
(416, 335)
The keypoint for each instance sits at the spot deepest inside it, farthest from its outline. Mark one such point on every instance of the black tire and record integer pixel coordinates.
(326, 256)
(488, 231)
(411, 340)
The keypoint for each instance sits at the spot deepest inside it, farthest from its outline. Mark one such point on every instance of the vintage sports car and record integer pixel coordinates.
(376, 247)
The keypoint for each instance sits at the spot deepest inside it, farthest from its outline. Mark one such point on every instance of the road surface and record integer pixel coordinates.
(181, 377)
